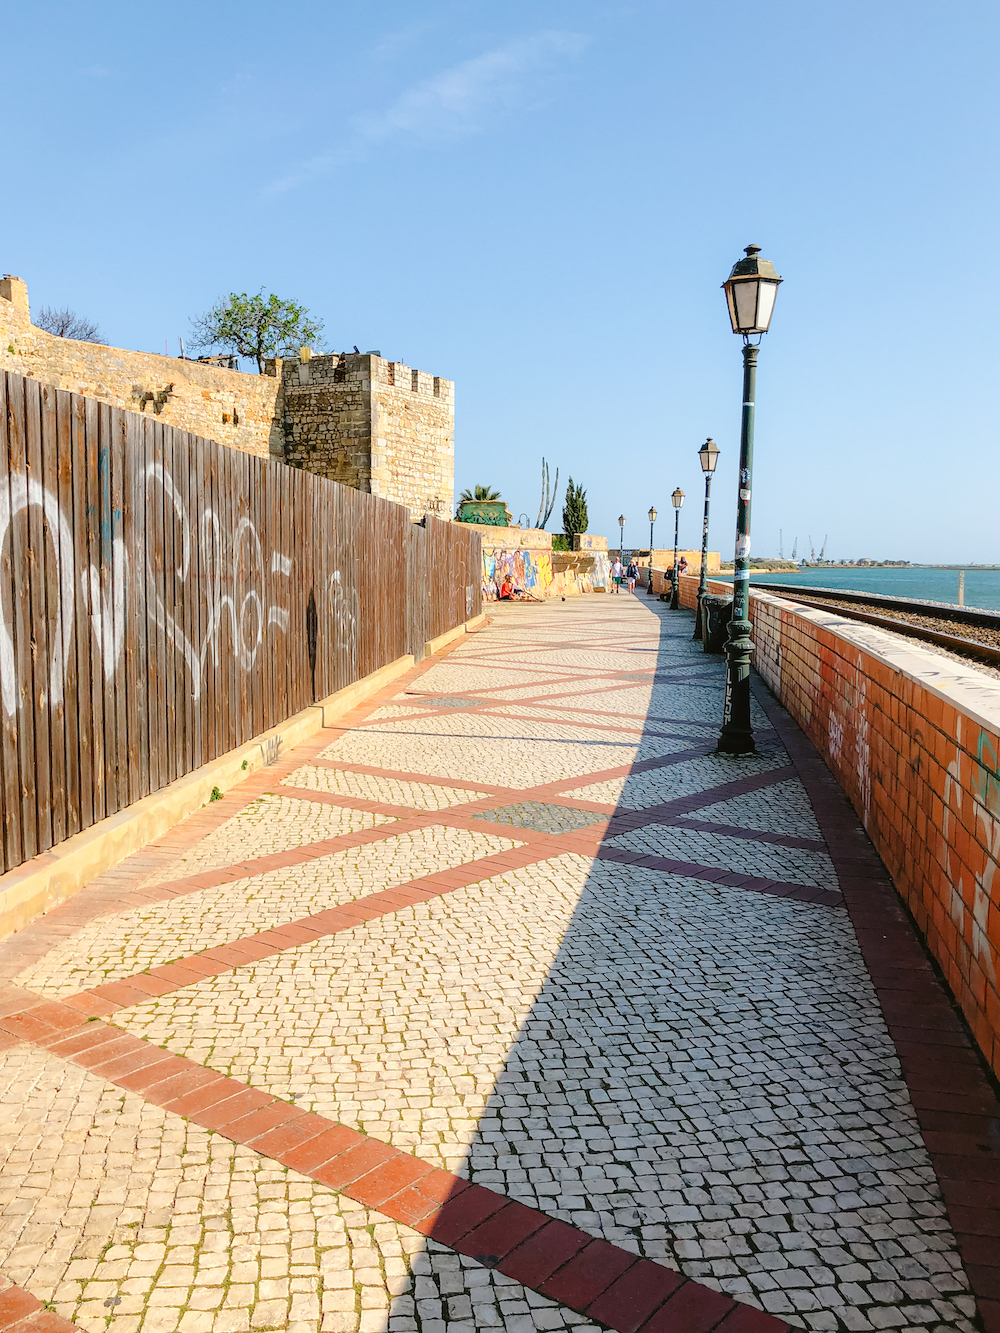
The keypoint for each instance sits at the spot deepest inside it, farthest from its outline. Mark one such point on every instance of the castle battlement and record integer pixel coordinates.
(355, 417)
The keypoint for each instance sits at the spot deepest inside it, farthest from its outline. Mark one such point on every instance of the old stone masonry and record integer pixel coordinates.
(506, 1004)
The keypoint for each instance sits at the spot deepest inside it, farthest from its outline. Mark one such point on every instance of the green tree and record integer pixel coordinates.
(256, 326)
(575, 509)
(478, 493)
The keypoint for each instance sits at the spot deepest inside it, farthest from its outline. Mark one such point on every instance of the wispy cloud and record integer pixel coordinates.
(462, 100)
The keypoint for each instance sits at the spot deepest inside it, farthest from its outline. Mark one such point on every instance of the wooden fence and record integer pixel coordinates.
(164, 599)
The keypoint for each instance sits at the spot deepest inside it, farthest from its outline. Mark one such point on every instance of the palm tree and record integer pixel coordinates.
(478, 493)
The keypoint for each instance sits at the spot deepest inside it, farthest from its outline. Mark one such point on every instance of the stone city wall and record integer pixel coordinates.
(224, 405)
(413, 438)
(373, 424)
(325, 412)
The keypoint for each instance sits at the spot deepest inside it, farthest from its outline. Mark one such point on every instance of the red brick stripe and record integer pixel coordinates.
(140, 987)
(682, 805)
(729, 879)
(955, 1100)
(748, 835)
(20, 1312)
(476, 710)
(590, 1276)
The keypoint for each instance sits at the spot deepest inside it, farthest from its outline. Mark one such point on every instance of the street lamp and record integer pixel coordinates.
(621, 538)
(708, 456)
(652, 520)
(750, 292)
(677, 499)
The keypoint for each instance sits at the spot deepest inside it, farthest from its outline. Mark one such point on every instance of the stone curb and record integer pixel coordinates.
(433, 646)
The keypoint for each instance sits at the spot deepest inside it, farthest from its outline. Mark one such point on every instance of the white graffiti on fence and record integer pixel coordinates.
(22, 495)
(106, 607)
(343, 604)
(248, 620)
(107, 614)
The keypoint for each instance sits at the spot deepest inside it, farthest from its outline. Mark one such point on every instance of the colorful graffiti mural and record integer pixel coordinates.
(529, 571)
(534, 573)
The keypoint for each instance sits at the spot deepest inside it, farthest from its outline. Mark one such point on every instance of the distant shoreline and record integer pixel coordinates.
(829, 565)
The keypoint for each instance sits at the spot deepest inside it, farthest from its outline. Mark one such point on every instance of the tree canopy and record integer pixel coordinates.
(256, 326)
(66, 323)
(575, 509)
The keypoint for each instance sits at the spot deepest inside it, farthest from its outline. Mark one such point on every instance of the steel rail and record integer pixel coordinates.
(819, 599)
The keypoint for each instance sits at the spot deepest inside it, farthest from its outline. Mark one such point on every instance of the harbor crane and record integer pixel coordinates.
(823, 548)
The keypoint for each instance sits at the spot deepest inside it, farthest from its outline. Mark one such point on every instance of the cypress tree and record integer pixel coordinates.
(575, 509)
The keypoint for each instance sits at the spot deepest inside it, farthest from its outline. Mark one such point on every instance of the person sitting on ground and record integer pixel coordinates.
(632, 573)
(506, 588)
(616, 574)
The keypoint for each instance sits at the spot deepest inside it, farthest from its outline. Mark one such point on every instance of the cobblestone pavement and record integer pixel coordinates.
(518, 927)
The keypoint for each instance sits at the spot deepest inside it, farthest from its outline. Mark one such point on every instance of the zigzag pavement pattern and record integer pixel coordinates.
(504, 1004)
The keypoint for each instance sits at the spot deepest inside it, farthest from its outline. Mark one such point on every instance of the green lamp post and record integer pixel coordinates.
(708, 456)
(621, 538)
(750, 290)
(652, 519)
(677, 499)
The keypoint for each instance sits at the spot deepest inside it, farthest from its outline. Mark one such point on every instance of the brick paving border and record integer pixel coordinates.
(139, 987)
(728, 879)
(20, 1312)
(121, 887)
(954, 1098)
(592, 1277)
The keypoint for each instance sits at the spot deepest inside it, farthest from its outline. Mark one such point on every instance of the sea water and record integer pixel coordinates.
(982, 586)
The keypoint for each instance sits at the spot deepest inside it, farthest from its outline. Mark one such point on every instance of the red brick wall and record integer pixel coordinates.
(689, 586)
(914, 740)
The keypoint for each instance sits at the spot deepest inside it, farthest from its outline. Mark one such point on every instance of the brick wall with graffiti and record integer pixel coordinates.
(914, 740)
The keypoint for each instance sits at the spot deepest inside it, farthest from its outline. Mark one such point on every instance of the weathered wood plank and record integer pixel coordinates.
(11, 392)
(69, 580)
(52, 590)
(196, 683)
(116, 607)
(41, 642)
(134, 538)
(105, 605)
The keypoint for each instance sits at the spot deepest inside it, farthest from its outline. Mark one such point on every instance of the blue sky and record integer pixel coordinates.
(540, 201)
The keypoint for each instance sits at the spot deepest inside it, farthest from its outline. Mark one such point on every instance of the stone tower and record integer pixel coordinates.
(377, 425)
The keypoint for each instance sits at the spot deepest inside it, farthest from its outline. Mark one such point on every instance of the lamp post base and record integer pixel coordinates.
(697, 619)
(736, 736)
(736, 744)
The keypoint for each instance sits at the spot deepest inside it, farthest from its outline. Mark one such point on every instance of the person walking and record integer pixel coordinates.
(617, 572)
(632, 573)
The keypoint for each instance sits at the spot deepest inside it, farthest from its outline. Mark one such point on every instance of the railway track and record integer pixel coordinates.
(962, 630)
